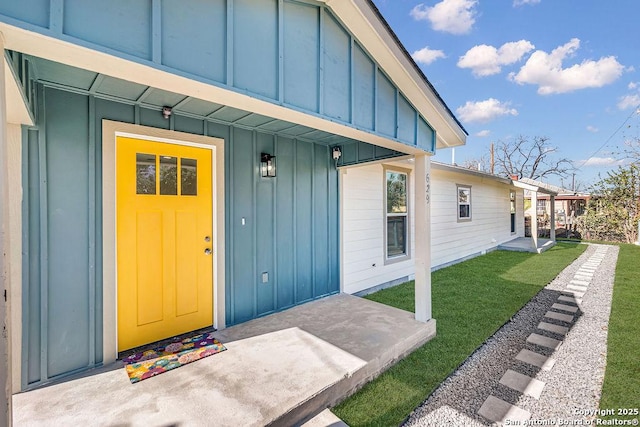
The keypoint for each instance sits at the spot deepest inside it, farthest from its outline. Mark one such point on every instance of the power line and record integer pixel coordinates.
(634, 111)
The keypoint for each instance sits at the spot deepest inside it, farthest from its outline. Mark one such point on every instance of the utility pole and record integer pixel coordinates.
(573, 182)
(492, 162)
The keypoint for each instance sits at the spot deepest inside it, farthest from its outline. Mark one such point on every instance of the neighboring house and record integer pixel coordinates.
(138, 146)
(568, 205)
(472, 212)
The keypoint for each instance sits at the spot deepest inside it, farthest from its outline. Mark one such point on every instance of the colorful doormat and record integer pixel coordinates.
(149, 363)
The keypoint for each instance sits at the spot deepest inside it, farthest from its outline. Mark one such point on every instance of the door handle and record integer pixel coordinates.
(207, 251)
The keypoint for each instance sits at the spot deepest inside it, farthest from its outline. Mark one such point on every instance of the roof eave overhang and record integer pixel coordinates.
(374, 34)
(534, 188)
(465, 171)
(83, 57)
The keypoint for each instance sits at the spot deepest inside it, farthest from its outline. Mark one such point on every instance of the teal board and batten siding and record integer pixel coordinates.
(290, 53)
(290, 226)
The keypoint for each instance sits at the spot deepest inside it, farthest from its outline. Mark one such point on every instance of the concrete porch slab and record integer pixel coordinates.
(525, 244)
(281, 369)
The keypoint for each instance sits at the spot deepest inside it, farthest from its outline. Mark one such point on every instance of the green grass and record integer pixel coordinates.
(621, 388)
(471, 300)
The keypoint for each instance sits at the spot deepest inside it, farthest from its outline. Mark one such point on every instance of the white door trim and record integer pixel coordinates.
(110, 131)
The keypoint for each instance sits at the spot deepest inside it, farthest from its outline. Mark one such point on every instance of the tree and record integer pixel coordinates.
(614, 210)
(479, 164)
(530, 158)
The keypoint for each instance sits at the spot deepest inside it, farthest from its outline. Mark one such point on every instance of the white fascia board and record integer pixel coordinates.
(466, 171)
(57, 50)
(534, 188)
(364, 24)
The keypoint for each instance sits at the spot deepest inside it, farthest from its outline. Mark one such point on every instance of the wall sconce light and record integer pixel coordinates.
(166, 112)
(336, 153)
(267, 165)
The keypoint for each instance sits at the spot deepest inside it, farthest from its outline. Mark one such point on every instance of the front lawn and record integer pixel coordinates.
(471, 301)
(621, 388)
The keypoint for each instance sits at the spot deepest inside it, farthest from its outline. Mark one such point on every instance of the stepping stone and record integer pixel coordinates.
(569, 308)
(581, 277)
(556, 329)
(577, 288)
(570, 299)
(544, 341)
(536, 359)
(559, 316)
(589, 274)
(522, 383)
(580, 282)
(573, 293)
(499, 411)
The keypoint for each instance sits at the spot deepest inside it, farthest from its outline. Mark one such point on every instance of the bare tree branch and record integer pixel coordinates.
(530, 158)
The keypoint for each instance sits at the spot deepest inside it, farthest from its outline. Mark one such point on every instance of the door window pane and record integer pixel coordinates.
(189, 177)
(145, 173)
(168, 175)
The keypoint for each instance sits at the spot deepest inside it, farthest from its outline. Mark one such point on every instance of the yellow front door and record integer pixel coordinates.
(164, 240)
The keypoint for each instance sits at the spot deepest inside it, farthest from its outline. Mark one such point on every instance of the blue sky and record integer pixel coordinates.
(568, 70)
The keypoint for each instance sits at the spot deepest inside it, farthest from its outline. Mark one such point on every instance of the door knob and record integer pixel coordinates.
(207, 251)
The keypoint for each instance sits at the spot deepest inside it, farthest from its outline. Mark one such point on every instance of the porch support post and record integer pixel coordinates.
(422, 197)
(534, 220)
(552, 227)
(5, 377)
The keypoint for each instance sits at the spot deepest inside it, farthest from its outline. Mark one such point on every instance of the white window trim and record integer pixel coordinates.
(468, 187)
(514, 203)
(407, 254)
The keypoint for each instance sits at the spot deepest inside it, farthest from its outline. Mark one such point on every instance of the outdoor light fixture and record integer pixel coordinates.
(166, 112)
(336, 153)
(267, 165)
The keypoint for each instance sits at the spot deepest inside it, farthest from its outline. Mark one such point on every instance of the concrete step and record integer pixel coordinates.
(499, 411)
(543, 341)
(522, 383)
(536, 359)
(564, 307)
(325, 418)
(556, 329)
(559, 316)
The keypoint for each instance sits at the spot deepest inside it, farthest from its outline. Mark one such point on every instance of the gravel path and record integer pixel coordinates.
(572, 386)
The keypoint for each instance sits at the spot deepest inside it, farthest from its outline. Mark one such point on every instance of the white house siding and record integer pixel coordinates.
(451, 241)
(363, 229)
(490, 224)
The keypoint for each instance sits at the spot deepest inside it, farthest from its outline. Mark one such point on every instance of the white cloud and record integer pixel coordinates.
(517, 3)
(633, 85)
(602, 161)
(426, 56)
(485, 60)
(451, 16)
(485, 111)
(592, 129)
(483, 133)
(545, 70)
(629, 101)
